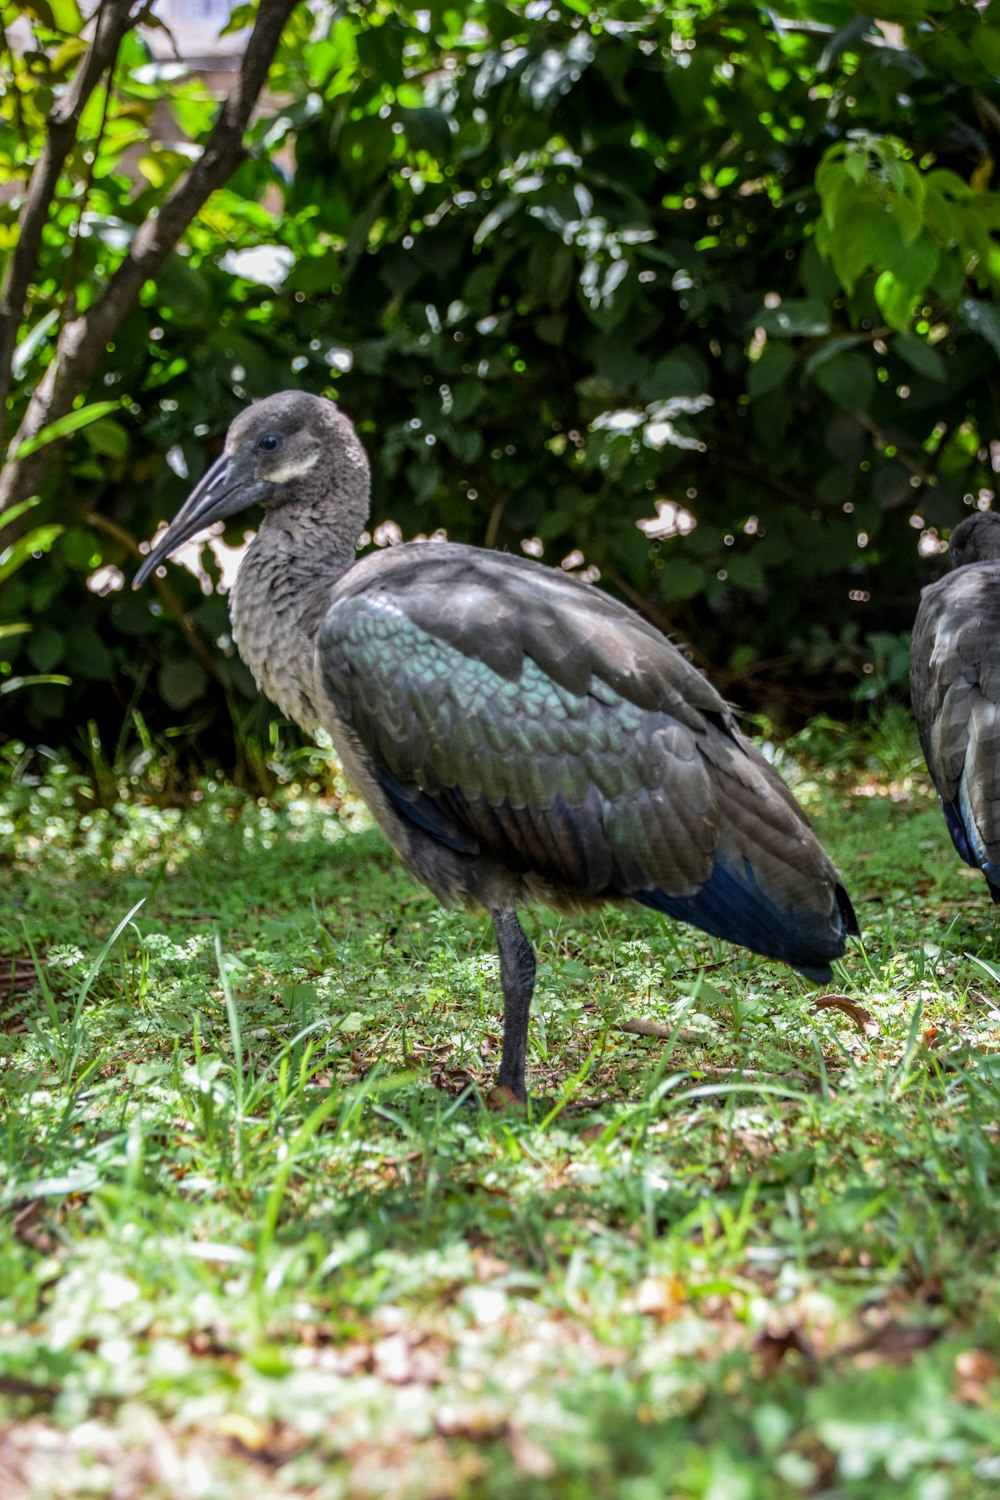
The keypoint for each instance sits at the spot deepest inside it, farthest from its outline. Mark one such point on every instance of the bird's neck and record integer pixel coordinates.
(282, 592)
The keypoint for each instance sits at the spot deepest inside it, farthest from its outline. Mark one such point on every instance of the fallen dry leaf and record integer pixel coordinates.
(659, 1297)
(487, 1266)
(772, 1347)
(243, 1430)
(33, 1225)
(974, 1371)
(863, 1019)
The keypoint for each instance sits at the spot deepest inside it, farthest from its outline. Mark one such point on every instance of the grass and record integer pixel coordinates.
(260, 1237)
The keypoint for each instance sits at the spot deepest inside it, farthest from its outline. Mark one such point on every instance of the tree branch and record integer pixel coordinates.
(83, 341)
(63, 122)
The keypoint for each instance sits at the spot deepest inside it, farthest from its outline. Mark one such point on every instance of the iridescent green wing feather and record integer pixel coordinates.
(558, 728)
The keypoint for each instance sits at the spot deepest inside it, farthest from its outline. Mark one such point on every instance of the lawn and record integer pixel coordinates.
(262, 1238)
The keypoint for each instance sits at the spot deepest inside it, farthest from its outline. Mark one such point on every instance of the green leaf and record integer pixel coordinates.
(848, 379)
(916, 263)
(837, 184)
(428, 130)
(772, 369)
(856, 163)
(744, 570)
(181, 683)
(869, 237)
(14, 511)
(68, 17)
(107, 438)
(949, 278)
(14, 684)
(87, 655)
(187, 292)
(895, 299)
(986, 46)
(22, 551)
(64, 57)
(465, 442)
(908, 216)
(796, 318)
(831, 348)
(80, 548)
(32, 342)
(380, 51)
(983, 318)
(71, 422)
(682, 579)
(682, 372)
(46, 649)
(921, 357)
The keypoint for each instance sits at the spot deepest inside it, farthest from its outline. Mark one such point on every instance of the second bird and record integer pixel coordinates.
(518, 735)
(955, 689)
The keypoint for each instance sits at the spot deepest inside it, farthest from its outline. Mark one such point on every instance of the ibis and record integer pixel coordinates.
(519, 735)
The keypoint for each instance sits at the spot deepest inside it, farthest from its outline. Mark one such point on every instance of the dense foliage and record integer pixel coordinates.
(570, 267)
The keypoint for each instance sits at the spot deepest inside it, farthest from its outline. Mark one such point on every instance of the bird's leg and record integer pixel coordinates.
(517, 975)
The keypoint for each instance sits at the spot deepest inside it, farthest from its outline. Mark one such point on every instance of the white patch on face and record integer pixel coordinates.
(294, 468)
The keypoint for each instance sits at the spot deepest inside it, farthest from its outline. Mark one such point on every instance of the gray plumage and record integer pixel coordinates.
(955, 691)
(518, 735)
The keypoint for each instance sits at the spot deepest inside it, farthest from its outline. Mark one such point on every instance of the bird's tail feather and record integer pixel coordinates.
(733, 906)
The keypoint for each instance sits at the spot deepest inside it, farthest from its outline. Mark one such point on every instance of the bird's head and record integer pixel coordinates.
(271, 447)
(976, 539)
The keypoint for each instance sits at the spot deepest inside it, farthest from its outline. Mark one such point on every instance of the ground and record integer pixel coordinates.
(261, 1238)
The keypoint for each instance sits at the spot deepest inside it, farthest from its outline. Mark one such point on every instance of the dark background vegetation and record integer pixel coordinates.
(568, 266)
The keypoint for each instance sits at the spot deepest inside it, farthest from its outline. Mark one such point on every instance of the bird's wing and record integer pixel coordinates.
(955, 690)
(559, 733)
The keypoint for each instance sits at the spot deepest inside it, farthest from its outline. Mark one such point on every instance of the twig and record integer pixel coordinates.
(772, 482)
(687, 1034)
(496, 515)
(884, 440)
(754, 1075)
(663, 1033)
(989, 115)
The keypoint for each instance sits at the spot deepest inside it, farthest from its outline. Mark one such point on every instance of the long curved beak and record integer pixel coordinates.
(224, 490)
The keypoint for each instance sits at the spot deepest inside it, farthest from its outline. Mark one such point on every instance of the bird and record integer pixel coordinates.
(955, 691)
(518, 734)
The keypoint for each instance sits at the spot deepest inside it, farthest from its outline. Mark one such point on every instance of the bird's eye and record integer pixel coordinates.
(270, 442)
